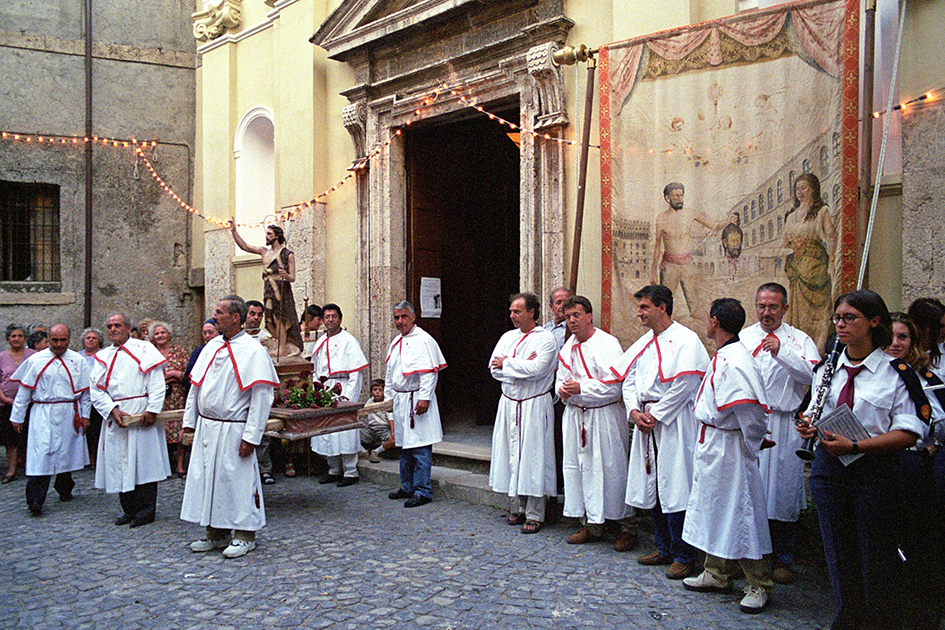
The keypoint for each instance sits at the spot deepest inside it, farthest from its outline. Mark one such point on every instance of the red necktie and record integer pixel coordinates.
(846, 394)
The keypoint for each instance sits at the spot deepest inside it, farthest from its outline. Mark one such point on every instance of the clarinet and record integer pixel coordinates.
(806, 451)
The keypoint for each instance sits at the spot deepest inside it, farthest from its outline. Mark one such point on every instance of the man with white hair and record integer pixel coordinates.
(128, 379)
(414, 361)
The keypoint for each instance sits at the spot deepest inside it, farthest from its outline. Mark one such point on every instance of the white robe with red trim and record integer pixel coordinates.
(523, 448)
(727, 513)
(341, 359)
(665, 368)
(595, 431)
(787, 378)
(413, 363)
(232, 381)
(58, 387)
(130, 377)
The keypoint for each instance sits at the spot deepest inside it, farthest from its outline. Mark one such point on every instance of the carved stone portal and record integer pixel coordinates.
(216, 17)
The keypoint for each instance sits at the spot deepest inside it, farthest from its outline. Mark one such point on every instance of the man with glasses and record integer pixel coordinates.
(786, 357)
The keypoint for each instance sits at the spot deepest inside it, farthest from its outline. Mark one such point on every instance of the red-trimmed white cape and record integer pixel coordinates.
(665, 368)
(229, 401)
(414, 361)
(59, 389)
(341, 359)
(727, 514)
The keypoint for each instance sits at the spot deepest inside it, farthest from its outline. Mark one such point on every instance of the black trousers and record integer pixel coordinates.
(141, 503)
(38, 486)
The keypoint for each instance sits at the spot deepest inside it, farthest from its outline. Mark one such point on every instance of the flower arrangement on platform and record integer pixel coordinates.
(308, 393)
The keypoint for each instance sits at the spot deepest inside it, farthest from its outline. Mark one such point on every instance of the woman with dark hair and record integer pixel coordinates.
(922, 544)
(9, 361)
(811, 236)
(854, 498)
(927, 314)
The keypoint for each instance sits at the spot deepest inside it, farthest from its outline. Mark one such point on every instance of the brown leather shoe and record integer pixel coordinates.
(625, 541)
(582, 536)
(654, 559)
(678, 571)
(782, 574)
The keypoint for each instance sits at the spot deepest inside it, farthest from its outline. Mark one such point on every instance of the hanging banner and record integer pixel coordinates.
(729, 159)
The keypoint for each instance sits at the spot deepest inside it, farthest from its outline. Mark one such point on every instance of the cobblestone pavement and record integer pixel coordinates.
(344, 558)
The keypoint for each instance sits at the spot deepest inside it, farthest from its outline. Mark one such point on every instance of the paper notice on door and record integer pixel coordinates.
(431, 299)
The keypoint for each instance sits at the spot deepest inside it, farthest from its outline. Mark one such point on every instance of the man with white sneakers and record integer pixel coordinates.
(726, 516)
(227, 409)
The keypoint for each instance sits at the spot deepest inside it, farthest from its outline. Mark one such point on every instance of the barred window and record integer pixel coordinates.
(29, 232)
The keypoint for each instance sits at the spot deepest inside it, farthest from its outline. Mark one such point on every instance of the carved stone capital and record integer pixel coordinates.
(547, 75)
(354, 118)
(216, 17)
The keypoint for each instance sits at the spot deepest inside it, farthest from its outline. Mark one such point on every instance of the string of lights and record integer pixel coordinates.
(291, 211)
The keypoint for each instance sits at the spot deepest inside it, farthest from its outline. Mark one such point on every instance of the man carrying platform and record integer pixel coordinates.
(339, 357)
(128, 379)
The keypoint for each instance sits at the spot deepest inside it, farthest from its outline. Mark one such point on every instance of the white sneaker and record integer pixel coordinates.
(706, 582)
(755, 600)
(202, 545)
(373, 457)
(239, 548)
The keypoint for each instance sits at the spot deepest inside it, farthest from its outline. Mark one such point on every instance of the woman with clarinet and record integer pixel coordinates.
(855, 480)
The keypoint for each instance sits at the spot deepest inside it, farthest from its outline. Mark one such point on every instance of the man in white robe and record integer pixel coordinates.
(414, 361)
(128, 379)
(661, 373)
(523, 455)
(56, 381)
(339, 357)
(596, 434)
(786, 356)
(231, 393)
(727, 513)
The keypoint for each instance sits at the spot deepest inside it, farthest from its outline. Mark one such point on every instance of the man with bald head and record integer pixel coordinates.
(56, 381)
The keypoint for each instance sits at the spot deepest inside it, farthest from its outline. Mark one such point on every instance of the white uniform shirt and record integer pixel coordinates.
(340, 358)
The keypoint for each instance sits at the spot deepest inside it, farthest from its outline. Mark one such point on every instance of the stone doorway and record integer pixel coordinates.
(463, 226)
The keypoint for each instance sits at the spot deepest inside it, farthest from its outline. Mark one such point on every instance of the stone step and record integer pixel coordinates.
(465, 477)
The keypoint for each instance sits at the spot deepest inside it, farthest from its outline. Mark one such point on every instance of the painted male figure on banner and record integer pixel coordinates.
(744, 110)
(672, 247)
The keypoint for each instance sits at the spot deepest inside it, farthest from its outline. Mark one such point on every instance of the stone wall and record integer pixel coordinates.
(143, 87)
(923, 202)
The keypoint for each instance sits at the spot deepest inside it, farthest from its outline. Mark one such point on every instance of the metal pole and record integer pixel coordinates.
(866, 149)
(88, 164)
(582, 175)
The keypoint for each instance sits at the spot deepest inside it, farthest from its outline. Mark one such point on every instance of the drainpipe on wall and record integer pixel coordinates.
(87, 313)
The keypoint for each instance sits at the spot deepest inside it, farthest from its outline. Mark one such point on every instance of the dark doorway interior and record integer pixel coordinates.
(463, 227)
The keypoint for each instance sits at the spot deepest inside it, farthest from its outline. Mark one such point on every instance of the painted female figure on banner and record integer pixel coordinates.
(811, 236)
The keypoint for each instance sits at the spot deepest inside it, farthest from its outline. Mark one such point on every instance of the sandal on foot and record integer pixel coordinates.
(515, 519)
(8, 478)
(531, 527)
(290, 470)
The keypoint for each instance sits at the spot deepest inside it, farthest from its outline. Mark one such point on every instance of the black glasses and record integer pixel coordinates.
(846, 318)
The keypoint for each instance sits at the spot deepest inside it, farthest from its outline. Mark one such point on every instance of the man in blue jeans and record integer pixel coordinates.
(414, 361)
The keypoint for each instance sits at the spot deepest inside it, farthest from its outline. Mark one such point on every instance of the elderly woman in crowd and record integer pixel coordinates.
(160, 334)
(9, 361)
(37, 340)
(92, 342)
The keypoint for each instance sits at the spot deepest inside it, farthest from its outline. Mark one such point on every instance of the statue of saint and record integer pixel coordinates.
(282, 321)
